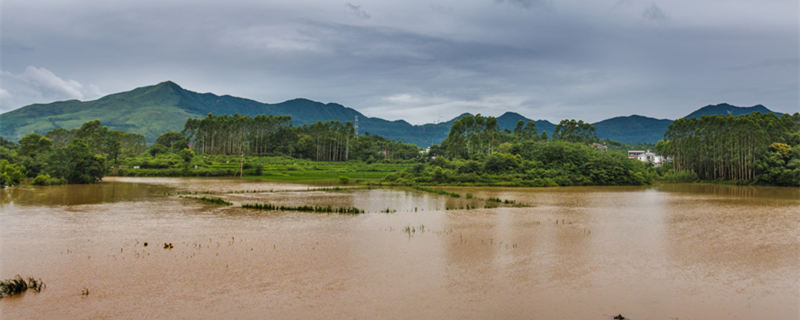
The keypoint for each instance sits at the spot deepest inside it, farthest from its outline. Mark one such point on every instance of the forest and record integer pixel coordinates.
(753, 148)
(266, 135)
(81, 155)
(477, 152)
(749, 149)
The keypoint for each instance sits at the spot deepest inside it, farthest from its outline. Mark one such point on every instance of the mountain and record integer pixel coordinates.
(724, 108)
(632, 129)
(153, 110)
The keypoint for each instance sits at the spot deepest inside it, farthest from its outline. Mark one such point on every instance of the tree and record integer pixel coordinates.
(575, 131)
(174, 141)
(76, 163)
(748, 148)
(10, 174)
(34, 144)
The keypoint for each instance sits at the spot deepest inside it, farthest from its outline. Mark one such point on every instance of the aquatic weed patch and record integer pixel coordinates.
(10, 287)
(437, 191)
(306, 208)
(217, 201)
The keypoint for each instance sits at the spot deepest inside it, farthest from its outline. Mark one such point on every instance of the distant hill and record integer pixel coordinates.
(632, 129)
(153, 110)
(724, 109)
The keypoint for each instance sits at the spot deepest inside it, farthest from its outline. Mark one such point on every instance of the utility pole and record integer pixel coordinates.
(355, 125)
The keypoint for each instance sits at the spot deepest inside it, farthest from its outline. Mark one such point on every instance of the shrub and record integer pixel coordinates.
(47, 180)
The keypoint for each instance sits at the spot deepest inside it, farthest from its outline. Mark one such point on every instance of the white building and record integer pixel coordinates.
(646, 156)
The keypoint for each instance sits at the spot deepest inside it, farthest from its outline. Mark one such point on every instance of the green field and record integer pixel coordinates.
(279, 169)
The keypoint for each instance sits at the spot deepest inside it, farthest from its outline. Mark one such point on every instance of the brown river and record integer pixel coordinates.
(674, 251)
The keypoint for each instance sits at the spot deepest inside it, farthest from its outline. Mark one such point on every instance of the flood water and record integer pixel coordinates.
(658, 252)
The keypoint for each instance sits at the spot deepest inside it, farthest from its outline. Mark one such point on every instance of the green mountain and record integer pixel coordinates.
(724, 108)
(632, 129)
(153, 110)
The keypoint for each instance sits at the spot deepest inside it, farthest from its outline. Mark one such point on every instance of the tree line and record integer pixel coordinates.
(476, 151)
(81, 155)
(275, 135)
(753, 148)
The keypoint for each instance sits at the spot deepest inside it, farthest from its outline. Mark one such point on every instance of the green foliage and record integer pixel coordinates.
(47, 180)
(344, 180)
(173, 141)
(306, 208)
(274, 135)
(10, 174)
(33, 144)
(437, 191)
(575, 131)
(534, 163)
(217, 201)
(76, 164)
(750, 148)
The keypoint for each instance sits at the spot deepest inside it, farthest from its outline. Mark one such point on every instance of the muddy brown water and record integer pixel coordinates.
(658, 252)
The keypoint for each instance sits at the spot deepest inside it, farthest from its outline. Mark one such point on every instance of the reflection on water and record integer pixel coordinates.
(661, 252)
(80, 194)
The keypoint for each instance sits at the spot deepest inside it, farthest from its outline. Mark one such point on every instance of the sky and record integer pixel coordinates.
(421, 61)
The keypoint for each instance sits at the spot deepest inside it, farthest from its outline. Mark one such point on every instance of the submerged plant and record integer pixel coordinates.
(304, 208)
(218, 201)
(18, 285)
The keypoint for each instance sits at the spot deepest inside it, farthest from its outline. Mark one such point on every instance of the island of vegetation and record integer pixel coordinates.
(747, 149)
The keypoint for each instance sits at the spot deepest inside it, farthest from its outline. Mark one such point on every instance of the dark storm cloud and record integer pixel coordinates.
(412, 60)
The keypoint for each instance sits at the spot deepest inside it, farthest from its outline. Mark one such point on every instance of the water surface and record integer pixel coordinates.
(659, 252)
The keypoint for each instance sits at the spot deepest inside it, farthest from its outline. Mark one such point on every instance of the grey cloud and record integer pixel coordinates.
(655, 13)
(527, 4)
(358, 11)
(579, 61)
(37, 84)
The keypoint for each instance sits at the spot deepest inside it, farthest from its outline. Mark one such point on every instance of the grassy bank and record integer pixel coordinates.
(283, 169)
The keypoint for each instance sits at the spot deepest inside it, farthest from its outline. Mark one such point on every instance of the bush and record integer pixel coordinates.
(47, 180)
(344, 180)
(10, 174)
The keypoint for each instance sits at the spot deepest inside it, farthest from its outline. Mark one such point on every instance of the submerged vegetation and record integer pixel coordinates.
(317, 209)
(217, 201)
(437, 191)
(10, 287)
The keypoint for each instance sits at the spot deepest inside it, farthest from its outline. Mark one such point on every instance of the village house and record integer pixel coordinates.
(646, 156)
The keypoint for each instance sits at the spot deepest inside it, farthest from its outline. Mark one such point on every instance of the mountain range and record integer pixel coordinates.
(153, 110)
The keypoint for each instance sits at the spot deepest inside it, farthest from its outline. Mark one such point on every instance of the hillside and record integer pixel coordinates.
(724, 108)
(153, 110)
(632, 129)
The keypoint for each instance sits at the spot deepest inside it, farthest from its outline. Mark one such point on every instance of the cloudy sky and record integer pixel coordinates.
(423, 61)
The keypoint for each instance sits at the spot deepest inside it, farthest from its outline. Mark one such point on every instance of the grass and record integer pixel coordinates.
(306, 208)
(18, 285)
(282, 169)
(217, 201)
(437, 191)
